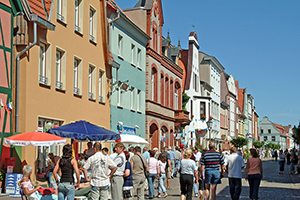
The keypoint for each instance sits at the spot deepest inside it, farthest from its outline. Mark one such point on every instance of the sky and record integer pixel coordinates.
(258, 42)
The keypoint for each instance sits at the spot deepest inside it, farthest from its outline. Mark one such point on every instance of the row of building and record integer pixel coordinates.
(63, 61)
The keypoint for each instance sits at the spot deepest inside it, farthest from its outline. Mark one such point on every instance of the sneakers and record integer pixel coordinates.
(196, 195)
(296, 172)
(165, 195)
(158, 196)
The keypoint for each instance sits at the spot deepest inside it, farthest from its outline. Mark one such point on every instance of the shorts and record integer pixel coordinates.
(168, 173)
(201, 184)
(212, 177)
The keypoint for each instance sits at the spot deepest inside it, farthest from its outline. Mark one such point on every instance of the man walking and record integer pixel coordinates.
(212, 161)
(117, 179)
(99, 165)
(178, 158)
(138, 163)
(173, 160)
(168, 166)
(235, 164)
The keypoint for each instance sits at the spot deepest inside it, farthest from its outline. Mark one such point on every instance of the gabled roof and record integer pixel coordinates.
(148, 4)
(40, 8)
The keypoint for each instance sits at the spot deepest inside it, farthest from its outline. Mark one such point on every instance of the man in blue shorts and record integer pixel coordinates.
(212, 161)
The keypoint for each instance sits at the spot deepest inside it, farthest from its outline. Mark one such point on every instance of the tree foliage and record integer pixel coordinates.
(258, 144)
(239, 142)
(185, 100)
(296, 134)
(273, 146)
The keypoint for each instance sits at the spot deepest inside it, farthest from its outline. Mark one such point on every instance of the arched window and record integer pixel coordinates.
(154, 84)
(162, 91)
(154, 39)
(177, 96)
(167, 91)
(171, 94)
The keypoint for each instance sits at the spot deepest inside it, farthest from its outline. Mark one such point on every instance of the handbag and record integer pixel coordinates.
(145, 171)
(126, 194)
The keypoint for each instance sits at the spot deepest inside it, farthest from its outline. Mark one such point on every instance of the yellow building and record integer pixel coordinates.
(65, 75)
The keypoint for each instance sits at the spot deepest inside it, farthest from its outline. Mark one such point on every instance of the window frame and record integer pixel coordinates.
(120, 46)
(100, 86)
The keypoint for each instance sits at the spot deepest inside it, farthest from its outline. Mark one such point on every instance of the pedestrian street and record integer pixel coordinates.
(274, 186)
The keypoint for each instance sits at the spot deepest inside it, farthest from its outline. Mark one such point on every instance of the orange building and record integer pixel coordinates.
(63, 72)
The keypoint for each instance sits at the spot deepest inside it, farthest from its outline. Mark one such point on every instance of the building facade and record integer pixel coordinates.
(128, 48)
(210, 72)
(198, 105)
(60, 80)
(8, 10)
(163, 76)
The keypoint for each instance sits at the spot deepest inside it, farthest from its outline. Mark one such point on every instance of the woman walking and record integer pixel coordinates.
(162, 175)
(65, 166)
(281, 161)
(128, 183)
(254, 173)
(153, 168)
(188, 171)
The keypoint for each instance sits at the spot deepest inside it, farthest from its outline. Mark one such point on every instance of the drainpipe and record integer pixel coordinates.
(18, 71)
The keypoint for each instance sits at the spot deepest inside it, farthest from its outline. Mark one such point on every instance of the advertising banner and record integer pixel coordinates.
(11, 184)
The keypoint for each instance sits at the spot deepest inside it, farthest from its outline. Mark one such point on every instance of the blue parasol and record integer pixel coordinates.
(82, 130)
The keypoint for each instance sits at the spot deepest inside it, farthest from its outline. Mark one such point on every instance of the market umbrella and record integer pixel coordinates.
(35, 139)
(133, 139)
(82, 130)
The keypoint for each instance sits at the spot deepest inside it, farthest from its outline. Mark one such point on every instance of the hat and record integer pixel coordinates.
(155, 149)
(170, 147)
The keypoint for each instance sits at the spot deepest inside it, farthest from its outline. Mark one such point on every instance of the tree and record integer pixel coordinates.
(239, 142)
(185, 100)
(258, 144)
(296, 134)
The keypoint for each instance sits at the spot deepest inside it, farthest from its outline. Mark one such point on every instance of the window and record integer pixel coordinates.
(138, 60)
(202, 109)
(119, 93)
(77, 76)
(166, 91)
(138, 100)
(162, 90)
(43, 125)
(191, 109)
(61, 10)
(261, 131)
(269, 130)
(273, 138)
(120, 45)
(132, 98)
(91, 94)
(195, 82)
(132, 54)
(100, 85)
(176, 96)
(44, 65)
(93, 23)
(171, 94)
(60, 69)
(154, 84)
(265, 138)
(78, 15)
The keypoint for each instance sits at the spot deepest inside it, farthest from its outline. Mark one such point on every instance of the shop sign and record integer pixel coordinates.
(126, 130)
(12, 186)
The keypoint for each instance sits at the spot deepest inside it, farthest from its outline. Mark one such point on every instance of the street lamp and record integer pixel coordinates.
(209, 127)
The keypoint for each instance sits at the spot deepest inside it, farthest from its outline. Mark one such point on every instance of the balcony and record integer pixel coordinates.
(101, 99)
(59, 85)
(60, 17)
(91, 95)
(76, 91)
(43, 80)
(77, 28)
(182, 118)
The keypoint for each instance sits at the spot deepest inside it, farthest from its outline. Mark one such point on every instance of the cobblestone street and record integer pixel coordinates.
(273, 186)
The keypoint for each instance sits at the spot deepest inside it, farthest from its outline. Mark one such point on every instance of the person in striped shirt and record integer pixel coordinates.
(212, 161)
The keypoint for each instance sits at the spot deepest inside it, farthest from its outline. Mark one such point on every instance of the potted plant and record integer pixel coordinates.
(192, 116)
(202, 117)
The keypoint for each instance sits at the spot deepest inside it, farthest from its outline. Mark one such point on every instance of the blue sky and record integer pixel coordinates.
(256, 41)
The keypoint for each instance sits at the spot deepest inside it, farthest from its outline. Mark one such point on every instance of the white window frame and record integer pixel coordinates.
(132, 98)
(119, 95)
(176, 99)
(138, 61)
(100, 85)
(120, 45)
(43, 61)
(92, 24)
(76, 89)
(152, 85)
(132, 53)
(77, 15)
(90, 83)
(138, 100)
(58, 68)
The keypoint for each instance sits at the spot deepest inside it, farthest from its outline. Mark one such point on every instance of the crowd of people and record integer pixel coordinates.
(126, 173)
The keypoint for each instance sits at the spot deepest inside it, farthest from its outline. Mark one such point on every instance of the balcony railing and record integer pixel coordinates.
(76, 90)
(59, 85)
(101, 99)
(60, 17)
(92, 38)
(91, 95)
(77, 28)
(43, 80)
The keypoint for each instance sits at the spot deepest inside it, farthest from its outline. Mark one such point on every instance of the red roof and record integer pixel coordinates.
(37, 7)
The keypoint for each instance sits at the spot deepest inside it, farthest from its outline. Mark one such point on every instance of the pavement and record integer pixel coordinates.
(274, 186)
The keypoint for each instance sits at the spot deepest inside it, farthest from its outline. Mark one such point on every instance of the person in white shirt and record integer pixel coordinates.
(235, 164)
(117, 179)
(99, 165)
